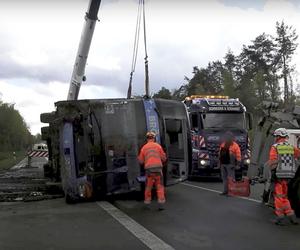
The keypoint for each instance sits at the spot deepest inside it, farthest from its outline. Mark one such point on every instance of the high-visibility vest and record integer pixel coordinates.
(234, 151)
(286, 168)
(152, 155)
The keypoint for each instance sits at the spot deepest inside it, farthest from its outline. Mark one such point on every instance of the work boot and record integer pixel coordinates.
(279, 221)
(224, 193)
(147, 205)
(293, 220)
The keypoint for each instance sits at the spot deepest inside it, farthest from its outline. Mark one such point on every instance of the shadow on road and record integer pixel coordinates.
(206, 179)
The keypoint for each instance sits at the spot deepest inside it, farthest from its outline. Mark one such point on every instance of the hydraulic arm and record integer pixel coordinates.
(83, 50)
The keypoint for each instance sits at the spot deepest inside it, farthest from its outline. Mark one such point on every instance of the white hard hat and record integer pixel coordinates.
(281, 132)
(150, 135)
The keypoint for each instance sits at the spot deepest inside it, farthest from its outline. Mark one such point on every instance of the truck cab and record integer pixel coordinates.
(210, 118)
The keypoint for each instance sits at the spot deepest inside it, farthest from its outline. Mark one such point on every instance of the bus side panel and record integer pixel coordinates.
(175, 133)
(121, 143)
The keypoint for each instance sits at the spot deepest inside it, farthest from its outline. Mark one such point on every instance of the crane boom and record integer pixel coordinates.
(83, 50)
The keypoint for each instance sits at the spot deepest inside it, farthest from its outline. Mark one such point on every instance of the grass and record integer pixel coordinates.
(7, 159)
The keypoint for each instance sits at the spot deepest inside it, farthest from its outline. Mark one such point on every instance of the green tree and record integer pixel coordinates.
(229, 84)
(259, 62)
(230, 74)
(14, 133)
(286, 39)
(253, 75)
(207, 80)
(163, 93)
(230, 62)
(246, 93)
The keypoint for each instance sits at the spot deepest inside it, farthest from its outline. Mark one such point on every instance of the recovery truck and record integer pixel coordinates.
(94, 144)
(271, 119)
(210, 117)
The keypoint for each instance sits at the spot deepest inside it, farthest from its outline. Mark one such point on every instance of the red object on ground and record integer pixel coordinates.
(239, 188)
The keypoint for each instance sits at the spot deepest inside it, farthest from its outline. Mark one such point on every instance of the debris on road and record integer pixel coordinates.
(21, 183)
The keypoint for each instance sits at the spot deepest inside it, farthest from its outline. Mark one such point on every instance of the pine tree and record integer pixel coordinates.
(286, 40)
(163, 93)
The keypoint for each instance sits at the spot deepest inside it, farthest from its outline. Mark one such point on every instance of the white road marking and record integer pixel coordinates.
(144, 235)
(20, 164)
(250, 199)
(216, 191)
(203, 188)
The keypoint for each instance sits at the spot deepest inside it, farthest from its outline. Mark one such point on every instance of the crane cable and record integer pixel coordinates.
(146, 54)
(141, 11)
(135, 47)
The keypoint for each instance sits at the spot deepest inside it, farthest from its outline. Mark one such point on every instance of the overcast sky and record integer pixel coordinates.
(39, 41)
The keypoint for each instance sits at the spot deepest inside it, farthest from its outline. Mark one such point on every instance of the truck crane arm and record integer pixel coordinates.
(263, 139)
(83, 49)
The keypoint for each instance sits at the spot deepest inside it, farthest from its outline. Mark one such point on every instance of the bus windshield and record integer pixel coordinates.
(224, 120)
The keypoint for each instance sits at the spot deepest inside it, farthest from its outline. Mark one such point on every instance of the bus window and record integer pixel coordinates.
(194, 121)
(174, 139)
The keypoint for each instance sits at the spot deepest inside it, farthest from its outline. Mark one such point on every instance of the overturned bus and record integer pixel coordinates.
(94, 144)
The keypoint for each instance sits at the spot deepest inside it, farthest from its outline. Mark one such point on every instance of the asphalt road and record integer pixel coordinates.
(54, 225)
(196, 217)
(201, 219)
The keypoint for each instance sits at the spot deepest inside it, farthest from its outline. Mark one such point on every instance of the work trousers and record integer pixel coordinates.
(227, 170)
(282, 203)
(157, 180)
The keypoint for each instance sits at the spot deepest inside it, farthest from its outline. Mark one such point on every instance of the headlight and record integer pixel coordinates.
(247, 161)
(81, 190)
(202, 162)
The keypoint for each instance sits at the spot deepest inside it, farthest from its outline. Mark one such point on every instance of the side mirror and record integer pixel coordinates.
(249, 119)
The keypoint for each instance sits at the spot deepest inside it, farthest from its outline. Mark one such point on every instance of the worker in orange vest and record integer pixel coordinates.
(282, 163)
(229, 159)
(153, 157)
